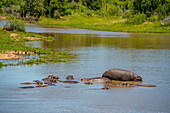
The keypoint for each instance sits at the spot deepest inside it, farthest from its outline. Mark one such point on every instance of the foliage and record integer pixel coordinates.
(166, 21)
(56, 8)
(15, 24)
(152, 7)
(92, 4)
(60, 6)
(32, 8)
(152, 18)
(136, 19)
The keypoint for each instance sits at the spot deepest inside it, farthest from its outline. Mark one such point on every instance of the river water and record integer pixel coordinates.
(147, 55)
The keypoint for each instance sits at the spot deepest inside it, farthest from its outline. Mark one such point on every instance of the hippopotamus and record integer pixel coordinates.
(141, 85)
(88, 83)
(26, 83)
(97, 79)
(105, 88)
(26, 87)
(70, 77)
(53, 77)
(122, 75)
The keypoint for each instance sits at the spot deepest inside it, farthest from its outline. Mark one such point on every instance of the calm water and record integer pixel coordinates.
(147, 55)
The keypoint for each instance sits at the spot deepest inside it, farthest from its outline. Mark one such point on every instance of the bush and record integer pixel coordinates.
(166, 21)
(1, 11)
(136, 19)
(15, 24)
(165, 24)
(152, 18)
(68, 12)
(112, 9)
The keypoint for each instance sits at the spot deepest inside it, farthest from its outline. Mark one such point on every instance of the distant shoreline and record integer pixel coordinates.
(106, 24)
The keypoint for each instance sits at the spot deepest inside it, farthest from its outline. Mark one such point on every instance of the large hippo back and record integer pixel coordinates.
(120, 74)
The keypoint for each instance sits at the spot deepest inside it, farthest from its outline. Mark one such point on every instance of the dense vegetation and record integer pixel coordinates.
(143, 10)
(15, 24)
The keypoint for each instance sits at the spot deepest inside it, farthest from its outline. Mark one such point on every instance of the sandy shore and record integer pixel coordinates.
(14, 35)
(2, 18)
(13, 55)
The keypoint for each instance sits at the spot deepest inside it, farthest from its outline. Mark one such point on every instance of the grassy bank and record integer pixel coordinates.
(106, 24)
(13, 43)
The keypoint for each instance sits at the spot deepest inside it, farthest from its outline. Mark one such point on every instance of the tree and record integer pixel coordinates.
(93, 4)
(150, 7)
(32, 8)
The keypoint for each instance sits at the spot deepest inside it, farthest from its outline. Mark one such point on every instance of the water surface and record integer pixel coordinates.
(147, 55)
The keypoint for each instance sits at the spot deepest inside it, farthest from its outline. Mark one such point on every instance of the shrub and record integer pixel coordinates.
(152, 18)
(68, 12)
(15, 24)
(1, 11)
(136, 19)
(165, 24)
(166, 21)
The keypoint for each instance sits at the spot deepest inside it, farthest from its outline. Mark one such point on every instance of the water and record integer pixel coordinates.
(147, 55)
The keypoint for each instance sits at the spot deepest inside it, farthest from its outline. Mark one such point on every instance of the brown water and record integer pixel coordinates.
(147, 55)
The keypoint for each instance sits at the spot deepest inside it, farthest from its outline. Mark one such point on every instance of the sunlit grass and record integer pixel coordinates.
(106, 24)
(8, 43)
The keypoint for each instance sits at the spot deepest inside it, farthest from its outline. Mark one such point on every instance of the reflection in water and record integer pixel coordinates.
(147, 55)
(137, 41)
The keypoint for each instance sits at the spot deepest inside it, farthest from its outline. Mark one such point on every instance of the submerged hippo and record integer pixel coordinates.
(122, 75)
(141, 85)
(70, 77)
(97, 79)
(53, 77)
(27, 87)
(70, 82)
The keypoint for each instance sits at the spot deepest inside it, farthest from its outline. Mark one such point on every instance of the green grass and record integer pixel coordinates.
(106, 24)
(59, 56)
(26, 34)
(8, 43)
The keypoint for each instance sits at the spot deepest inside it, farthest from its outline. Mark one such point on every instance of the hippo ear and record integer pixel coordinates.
(139, 78)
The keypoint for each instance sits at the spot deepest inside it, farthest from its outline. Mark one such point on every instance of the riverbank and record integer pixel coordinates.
(3, 18)
(12, 47)
(106, 24)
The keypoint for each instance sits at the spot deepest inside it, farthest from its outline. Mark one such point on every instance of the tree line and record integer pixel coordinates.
(150, 9)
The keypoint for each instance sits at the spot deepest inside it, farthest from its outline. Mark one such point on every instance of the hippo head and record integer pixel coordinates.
(69, 77)
(36, 81)
(138, 78)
